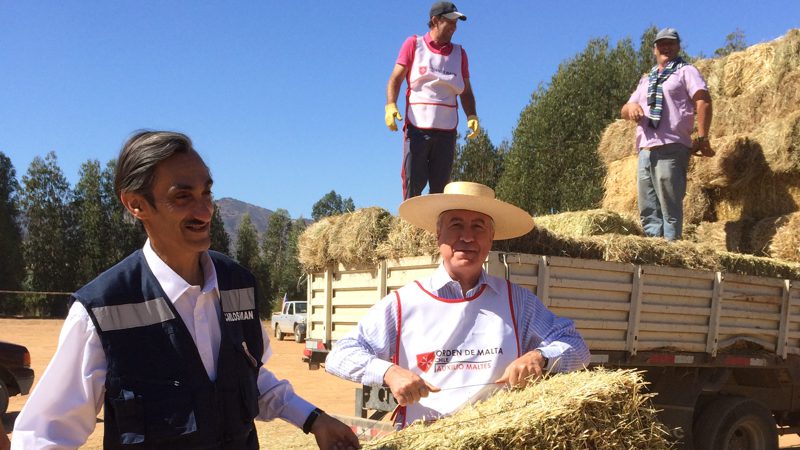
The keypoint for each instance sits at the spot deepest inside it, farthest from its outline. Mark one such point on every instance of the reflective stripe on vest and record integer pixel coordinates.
(238, 299)
(133, 315)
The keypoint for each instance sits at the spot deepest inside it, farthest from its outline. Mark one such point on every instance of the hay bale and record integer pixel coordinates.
(357, 234)
(618, 141)
(540, 241)
(589, 223)
(657, 251)
(725, 236)
(762, 233)
(767, 195)
(599, 409)
(747, 70)
(312, 245)
(620, 187)
(405, 239)
(758, 266)
(780, 143)
(786, 242)
(696, 205)
(737, 162)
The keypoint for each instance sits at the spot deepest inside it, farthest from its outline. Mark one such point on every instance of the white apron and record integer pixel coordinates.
(459, 345)
(434, 83)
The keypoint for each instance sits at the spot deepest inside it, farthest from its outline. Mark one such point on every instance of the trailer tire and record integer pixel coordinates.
(298, 337)
(735, 422)
(278, 332)
(4, 395)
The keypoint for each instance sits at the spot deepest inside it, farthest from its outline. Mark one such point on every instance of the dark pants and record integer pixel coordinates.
(427, 159)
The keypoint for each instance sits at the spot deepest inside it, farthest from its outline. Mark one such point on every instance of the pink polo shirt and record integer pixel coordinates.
(406, 55)
(677, 115)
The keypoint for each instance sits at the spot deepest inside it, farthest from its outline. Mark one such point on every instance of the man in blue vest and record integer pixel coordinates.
(169, 340)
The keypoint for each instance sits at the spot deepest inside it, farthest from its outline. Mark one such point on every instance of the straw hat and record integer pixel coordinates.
(424, 211)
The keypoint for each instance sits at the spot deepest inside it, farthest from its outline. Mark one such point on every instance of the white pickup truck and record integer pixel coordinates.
(290, 320)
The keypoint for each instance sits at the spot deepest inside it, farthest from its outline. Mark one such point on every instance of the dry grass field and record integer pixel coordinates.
(326, 391)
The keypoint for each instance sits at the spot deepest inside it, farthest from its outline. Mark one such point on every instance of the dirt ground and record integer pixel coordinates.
(326, 391)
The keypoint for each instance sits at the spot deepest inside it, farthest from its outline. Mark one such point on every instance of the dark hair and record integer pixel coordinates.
(137, 161)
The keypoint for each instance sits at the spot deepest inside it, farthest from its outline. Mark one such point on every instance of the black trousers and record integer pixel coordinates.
(427, 159)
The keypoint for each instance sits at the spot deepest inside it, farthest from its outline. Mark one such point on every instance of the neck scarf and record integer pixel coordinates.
(655, 92)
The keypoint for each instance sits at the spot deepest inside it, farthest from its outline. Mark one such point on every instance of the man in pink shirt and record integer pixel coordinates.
(436, 73)
(664, 106)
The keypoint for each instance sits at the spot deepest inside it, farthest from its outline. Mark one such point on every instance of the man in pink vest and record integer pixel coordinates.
(436, 73)
(459, 334)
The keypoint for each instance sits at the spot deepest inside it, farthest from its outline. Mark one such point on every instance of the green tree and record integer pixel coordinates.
(294, 271)
(50, 245)
(645, 57)
(248, 256)
(552, 164)
(12, 270)
(92, 222)
(220, 241)
(478, 160)
(331, 204)
(734, 42)
(247, 243)
(275, 250)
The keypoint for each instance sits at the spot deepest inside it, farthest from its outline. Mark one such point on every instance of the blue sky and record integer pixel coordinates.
(285, 100)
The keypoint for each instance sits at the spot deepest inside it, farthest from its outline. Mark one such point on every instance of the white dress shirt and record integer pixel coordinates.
(62, 410)
(364, 354)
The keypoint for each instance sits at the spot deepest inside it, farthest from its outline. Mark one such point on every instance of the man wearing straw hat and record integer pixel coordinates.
(460, 334)
(664, 105)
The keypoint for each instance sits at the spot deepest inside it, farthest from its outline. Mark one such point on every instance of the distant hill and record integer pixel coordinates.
(233, 210)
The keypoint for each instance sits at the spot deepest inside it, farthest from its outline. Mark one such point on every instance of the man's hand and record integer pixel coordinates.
(632, 111)
(702, 147)
(472, 124)
(406, 386)
(523, 369)
(332, 434)
(391, 114)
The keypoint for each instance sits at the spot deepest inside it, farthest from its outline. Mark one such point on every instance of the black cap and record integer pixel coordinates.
(446, 9)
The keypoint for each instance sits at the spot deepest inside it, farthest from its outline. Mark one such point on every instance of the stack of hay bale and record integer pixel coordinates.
(745, 199)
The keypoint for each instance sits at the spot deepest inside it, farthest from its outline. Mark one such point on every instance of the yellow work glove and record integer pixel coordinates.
(391, 114)
(472, 124)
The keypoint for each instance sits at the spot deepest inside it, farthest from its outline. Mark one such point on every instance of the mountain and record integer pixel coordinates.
(233, 210)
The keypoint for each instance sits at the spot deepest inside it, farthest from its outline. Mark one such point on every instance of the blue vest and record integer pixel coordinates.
(158, 394)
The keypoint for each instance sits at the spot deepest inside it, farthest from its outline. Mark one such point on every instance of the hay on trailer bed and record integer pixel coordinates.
(589, 223)
(404, 239)
(595, 409)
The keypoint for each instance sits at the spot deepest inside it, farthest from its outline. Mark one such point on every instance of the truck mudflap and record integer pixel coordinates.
(314, 354)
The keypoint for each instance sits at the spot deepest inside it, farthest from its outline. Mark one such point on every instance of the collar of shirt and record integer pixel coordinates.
(443, 49)
(172, 283)
(440, 282)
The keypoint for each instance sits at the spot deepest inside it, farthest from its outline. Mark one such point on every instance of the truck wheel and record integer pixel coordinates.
(3, 397)
(735, 423)
(298, 337)
(278, 332)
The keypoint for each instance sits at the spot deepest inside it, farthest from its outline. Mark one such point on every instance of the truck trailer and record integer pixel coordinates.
(721, 351)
